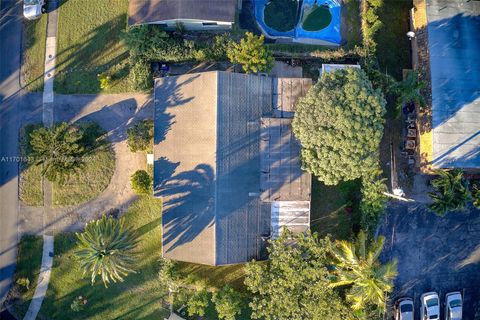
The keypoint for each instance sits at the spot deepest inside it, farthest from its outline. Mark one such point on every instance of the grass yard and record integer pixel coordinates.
(317, 18)
(29, 259)
(89, 181)
(393, 46)
(30, 184)
(350, 27)
(34, 35)
(329, 208)
(138, 297)
(89, 44)
(281, 15)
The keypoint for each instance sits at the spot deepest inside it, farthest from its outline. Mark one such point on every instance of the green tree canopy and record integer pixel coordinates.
(198, 303)
(340, 124)
(59, 149)
(107, 249)
(251, 54)
(294, 283)
(359, 267)
(228, 303)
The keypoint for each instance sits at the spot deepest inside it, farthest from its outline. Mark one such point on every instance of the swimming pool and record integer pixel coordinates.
(330, 35)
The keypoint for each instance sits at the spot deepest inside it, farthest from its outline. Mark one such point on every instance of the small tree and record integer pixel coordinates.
(142, 182)
(359, 267)
(251, 54)
(107, 249)
(340, 124)
(198, 303)
(228, 303)
(140, 136)
(58, 149)
(451, 191)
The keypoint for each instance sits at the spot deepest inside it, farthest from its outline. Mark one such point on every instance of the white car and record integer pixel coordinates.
(404, 309)
(453, 306)
(430, 306)
(33, 9)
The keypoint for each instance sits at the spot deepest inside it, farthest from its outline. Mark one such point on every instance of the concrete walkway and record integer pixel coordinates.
(43, 279)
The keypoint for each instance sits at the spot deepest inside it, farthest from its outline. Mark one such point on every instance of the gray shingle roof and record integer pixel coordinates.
(207, 166)
(454, 46)
(155, 11)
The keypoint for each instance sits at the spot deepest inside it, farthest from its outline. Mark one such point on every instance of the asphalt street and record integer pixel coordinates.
(10, 109)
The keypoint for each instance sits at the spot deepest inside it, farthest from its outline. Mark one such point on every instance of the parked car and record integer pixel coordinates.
(453, 306)
(33, 9)
(430, 306)
(404, 310)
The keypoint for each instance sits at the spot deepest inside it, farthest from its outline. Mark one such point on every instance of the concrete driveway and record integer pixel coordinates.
(434, 253)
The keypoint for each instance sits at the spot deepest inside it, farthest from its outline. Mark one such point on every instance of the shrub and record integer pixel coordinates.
(140, 137)
(228, 303)
(24, 283)
(373, 202)
(251, 54)
(142, 182)
(104, 80)
(451, 191)
(476, 196)
(78, 304)
(141, 75)
(219, 49)
(198, 303)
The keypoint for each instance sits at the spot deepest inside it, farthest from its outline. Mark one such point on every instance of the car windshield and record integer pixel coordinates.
(455, 303)
(406, 308)
(432, 302)
(31, 2)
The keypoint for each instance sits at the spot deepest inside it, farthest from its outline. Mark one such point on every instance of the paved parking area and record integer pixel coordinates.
(434, 253)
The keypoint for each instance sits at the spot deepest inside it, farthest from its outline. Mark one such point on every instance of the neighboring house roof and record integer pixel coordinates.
(207, 166)
(156, 11)
(286, 92)
(454, 46)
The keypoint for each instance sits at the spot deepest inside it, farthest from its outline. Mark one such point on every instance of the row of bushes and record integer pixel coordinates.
(150, 43)
(309, 51)
(370, 23)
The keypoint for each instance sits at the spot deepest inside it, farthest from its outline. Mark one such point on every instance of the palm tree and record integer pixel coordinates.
(107, 248)
(359, 267)
(58, 149)
(451, 191)
(409, 91)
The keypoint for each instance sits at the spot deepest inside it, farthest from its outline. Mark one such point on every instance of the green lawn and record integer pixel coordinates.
(140, 295)
(30, 184)
(34, 33)
(393, 46)
(281, 15)
(29, 259)
(89, 181)
(351, 23)
(89, 43)
(317, 18)
(330, 208)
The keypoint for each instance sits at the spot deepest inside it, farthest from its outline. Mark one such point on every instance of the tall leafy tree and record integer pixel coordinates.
(451, 191)
(228, 303)
(198, 303)
(340, 124)
(58, 149)
(107, 249)
(251, 54)
(294, 283)
(359, 268)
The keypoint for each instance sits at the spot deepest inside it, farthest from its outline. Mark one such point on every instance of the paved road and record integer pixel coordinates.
(10, 96)
(434, 253)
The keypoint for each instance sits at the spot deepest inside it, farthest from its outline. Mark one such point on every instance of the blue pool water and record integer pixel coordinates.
(330, 34)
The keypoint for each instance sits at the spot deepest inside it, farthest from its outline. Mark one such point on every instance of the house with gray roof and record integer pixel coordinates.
(227, 165)
(453, 35)
(191, 14)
